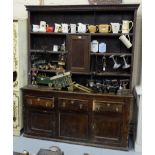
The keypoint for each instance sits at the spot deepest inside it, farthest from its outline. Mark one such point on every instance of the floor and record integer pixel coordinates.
(33, 146)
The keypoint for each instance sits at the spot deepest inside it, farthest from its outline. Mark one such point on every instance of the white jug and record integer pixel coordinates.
(65, 28)
(126, 26)
(82, 28)
(57, 28)
(115, 27)
(73, 28)
(43, 26)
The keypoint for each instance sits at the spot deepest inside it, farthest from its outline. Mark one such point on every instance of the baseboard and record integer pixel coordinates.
(16, 132)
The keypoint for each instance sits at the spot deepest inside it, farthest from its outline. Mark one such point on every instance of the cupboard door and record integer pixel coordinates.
(73, 126)
(107, 129)
(78, 58)
(40, 122)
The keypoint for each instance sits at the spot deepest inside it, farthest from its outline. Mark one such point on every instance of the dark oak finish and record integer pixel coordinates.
(90, 119)
(78, 58)
(94, 119)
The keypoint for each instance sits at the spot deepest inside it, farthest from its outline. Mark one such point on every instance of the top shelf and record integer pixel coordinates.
(91, 34)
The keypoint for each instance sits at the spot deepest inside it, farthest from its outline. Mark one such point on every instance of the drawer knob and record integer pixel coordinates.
(81, 106)
(108, 105)
(117, 109)
(98, 108)
(30, 102)
(64, 104)
(38, 99)
(72, 102)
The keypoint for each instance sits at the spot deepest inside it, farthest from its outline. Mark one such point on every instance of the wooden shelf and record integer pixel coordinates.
(47, 51)
(48, 33)
(91, 34)
(110, 34)
(113, 74)
(48, 71)
(104, 74)
(109, 53)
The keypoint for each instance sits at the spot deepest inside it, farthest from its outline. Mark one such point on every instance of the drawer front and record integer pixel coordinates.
(107, 106)
(39, 101)
(73, 104)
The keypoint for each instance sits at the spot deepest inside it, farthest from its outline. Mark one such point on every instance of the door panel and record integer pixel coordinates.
(73, 125)
(106, 128)
(40, 122)
(78, 59)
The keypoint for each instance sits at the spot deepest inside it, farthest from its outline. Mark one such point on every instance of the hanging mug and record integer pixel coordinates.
(125, 40)
(126, 26)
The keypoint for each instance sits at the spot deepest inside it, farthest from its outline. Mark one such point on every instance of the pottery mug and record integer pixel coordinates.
(126, 26)
(125, 40)
(104, 28)
(115, 27)
(49, 29)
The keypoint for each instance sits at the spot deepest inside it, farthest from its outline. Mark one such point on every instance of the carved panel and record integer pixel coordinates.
(15, 55)
(15, 109)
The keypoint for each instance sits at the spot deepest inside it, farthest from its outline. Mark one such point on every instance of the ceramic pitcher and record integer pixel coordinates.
(126, 26)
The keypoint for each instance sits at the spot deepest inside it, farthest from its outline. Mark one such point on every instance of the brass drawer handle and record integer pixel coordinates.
(38, 99)
(117, 109)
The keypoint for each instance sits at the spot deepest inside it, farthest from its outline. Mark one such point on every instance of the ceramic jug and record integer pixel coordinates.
(65, 28)
(82, 28)
(92, 28)
(115, 27)
(57, 28)
(43, 26)
(104, 28)
(73, 28)
(126, 26)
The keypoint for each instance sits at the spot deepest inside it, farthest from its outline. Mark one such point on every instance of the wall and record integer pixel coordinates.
(19, 11)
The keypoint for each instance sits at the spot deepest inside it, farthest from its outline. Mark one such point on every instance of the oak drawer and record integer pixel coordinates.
(39, 101)
(107, 106)
(73, 104)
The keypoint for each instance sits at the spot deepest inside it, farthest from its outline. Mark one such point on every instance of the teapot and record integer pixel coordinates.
(82, 28)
